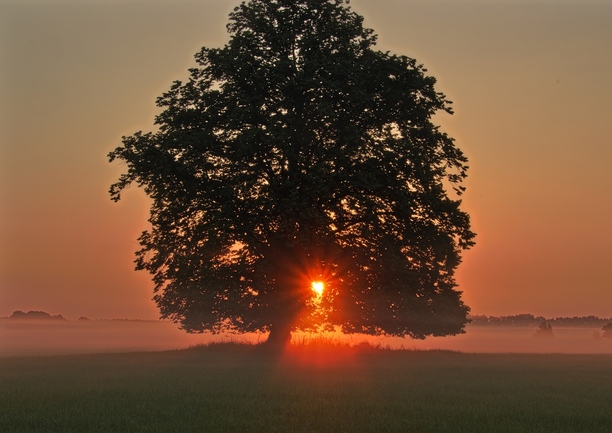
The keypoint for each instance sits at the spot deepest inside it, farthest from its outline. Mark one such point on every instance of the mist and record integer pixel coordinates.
(48, 337)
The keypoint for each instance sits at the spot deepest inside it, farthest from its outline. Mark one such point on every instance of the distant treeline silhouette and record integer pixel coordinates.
(42, 315)
(477, 320)
(37, 315)
(531, 320)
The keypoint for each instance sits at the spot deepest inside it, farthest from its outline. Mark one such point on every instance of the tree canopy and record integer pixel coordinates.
(295, 153)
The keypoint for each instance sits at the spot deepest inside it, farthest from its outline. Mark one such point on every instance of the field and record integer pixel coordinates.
(320, 388)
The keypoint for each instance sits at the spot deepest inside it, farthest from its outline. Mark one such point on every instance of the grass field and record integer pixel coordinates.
(231, 388)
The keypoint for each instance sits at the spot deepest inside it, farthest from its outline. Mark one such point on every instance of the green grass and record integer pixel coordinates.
(231, 388)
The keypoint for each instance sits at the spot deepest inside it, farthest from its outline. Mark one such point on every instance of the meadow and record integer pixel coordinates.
(311, 388)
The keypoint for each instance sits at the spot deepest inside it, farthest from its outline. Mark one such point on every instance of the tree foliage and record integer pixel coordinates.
(299, 152)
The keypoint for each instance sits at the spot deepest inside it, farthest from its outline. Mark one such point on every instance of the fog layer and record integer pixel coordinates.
(19, 338)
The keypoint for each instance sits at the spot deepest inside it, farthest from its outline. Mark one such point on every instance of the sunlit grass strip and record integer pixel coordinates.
(232, 388)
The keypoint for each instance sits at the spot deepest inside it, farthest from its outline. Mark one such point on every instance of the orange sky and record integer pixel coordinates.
(531, 82)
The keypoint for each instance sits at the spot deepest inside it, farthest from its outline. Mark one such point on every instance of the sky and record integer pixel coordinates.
(531, 83)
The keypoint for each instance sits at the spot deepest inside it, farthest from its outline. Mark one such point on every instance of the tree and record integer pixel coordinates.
(297, 152)
(607, 330)
(544, 330)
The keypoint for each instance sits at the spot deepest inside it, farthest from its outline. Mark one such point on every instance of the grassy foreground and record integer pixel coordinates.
(230, 388)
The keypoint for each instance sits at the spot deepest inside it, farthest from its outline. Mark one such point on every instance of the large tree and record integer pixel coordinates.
(298, 152)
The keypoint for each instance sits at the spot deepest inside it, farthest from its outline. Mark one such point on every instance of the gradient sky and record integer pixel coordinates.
(532, 87)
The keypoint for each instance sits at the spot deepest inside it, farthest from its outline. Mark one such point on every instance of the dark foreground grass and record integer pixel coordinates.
(229, 388)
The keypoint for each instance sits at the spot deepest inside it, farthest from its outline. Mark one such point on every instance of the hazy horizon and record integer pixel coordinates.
(41, 338)
(52, 316)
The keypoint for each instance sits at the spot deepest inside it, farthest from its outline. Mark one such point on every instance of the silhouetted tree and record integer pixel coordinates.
(298, 152)
(544, 330)
(607, 330)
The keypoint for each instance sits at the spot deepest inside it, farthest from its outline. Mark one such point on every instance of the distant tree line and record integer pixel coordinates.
(42, 315)
(37, 315)
(531, 320)
(543, 324)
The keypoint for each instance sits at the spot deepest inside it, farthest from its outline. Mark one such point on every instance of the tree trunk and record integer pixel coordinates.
(286, 300)
(279, 337)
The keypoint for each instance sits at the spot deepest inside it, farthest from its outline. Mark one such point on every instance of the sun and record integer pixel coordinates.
(317, 287)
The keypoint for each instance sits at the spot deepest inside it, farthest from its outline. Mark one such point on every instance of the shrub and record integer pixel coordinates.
(544, 330)
(607, 330)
